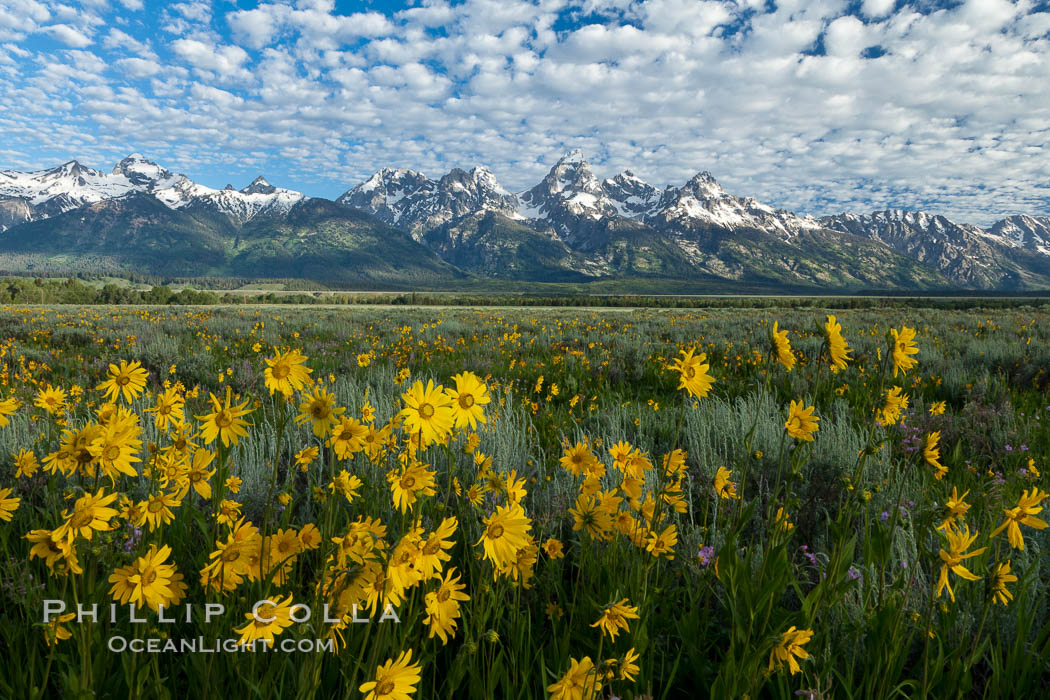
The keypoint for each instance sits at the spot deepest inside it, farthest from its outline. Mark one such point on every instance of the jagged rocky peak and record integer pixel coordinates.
(388, 192)
(388, 182)
(633, 196)
(704, 185)
(141, 172)
(259, 186)
(480, 181)
(486, 179)
(1029, 232)
(572, 172)
(71, 170)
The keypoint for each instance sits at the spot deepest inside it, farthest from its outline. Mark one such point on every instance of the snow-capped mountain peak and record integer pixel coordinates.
(570, 192)
(705, 185)
(144, 173)
(390, 194)
(702, 203)
(259, 186)
(1028, 232)
(257, 199)
(486, 179)
(409, 199)
(572, 157)
(61, 188)
(632, 196)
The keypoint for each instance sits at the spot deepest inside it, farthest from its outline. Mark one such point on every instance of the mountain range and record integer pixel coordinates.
(402, 228)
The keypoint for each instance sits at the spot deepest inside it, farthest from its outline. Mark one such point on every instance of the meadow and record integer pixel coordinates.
(524, 503)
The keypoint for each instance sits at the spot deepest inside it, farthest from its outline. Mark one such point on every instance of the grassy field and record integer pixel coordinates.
(522, 503)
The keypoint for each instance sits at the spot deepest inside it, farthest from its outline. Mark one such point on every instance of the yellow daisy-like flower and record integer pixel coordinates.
(723, 486)
(782, 347)
(442, 606)
(266, 621)
(628, 668)
(692, 373)
(468, 400)
(169, 409)
(346, 484)
(320, 411)
(226, 421)
(614, 618)
(433, 548)
(116, 448)
(310, 536)
(50, 399)
(364, 359)
(506, 531)
(51, 546)
(127, 381)
(577, 459)
(229, 512)
(199, 476)
(347, 437)
(8, 408)
(8, 504)
(1022, 514)
(428, 412)
(588, 515)
(285, 373)
(662, 544)
(838, 349)
(156, 510)
(90, 513)
(789, 648)
(937, 408)
(895, 402)
(554, 548)
(149, 581)
(26, 464)
(580, 682)
(409, 483)
(395, 679)
(55, 630)
(956, 507)
(932, 453)
(306, 456)
(801, 422)
(1000, 578)
(903, 348)
(958, 542)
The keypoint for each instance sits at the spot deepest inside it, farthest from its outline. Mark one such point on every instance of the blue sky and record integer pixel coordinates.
(818, 106)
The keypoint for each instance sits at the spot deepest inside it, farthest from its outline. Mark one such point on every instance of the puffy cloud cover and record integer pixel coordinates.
(814, 105)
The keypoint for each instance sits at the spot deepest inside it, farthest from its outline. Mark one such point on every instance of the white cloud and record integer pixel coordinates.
(121, 41)
(253, 27)
(20, 17)
(69, 35)
(222, 98)
(845, 37)
(957, 100)
(133, 5)
(138, 67)
(877, 8)
(226, 61)
(691, 16)
(193, 11)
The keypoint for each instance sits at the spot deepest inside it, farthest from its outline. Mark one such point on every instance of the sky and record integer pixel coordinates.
(818, 107)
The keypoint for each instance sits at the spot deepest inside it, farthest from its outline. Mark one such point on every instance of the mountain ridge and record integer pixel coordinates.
(570, 226)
